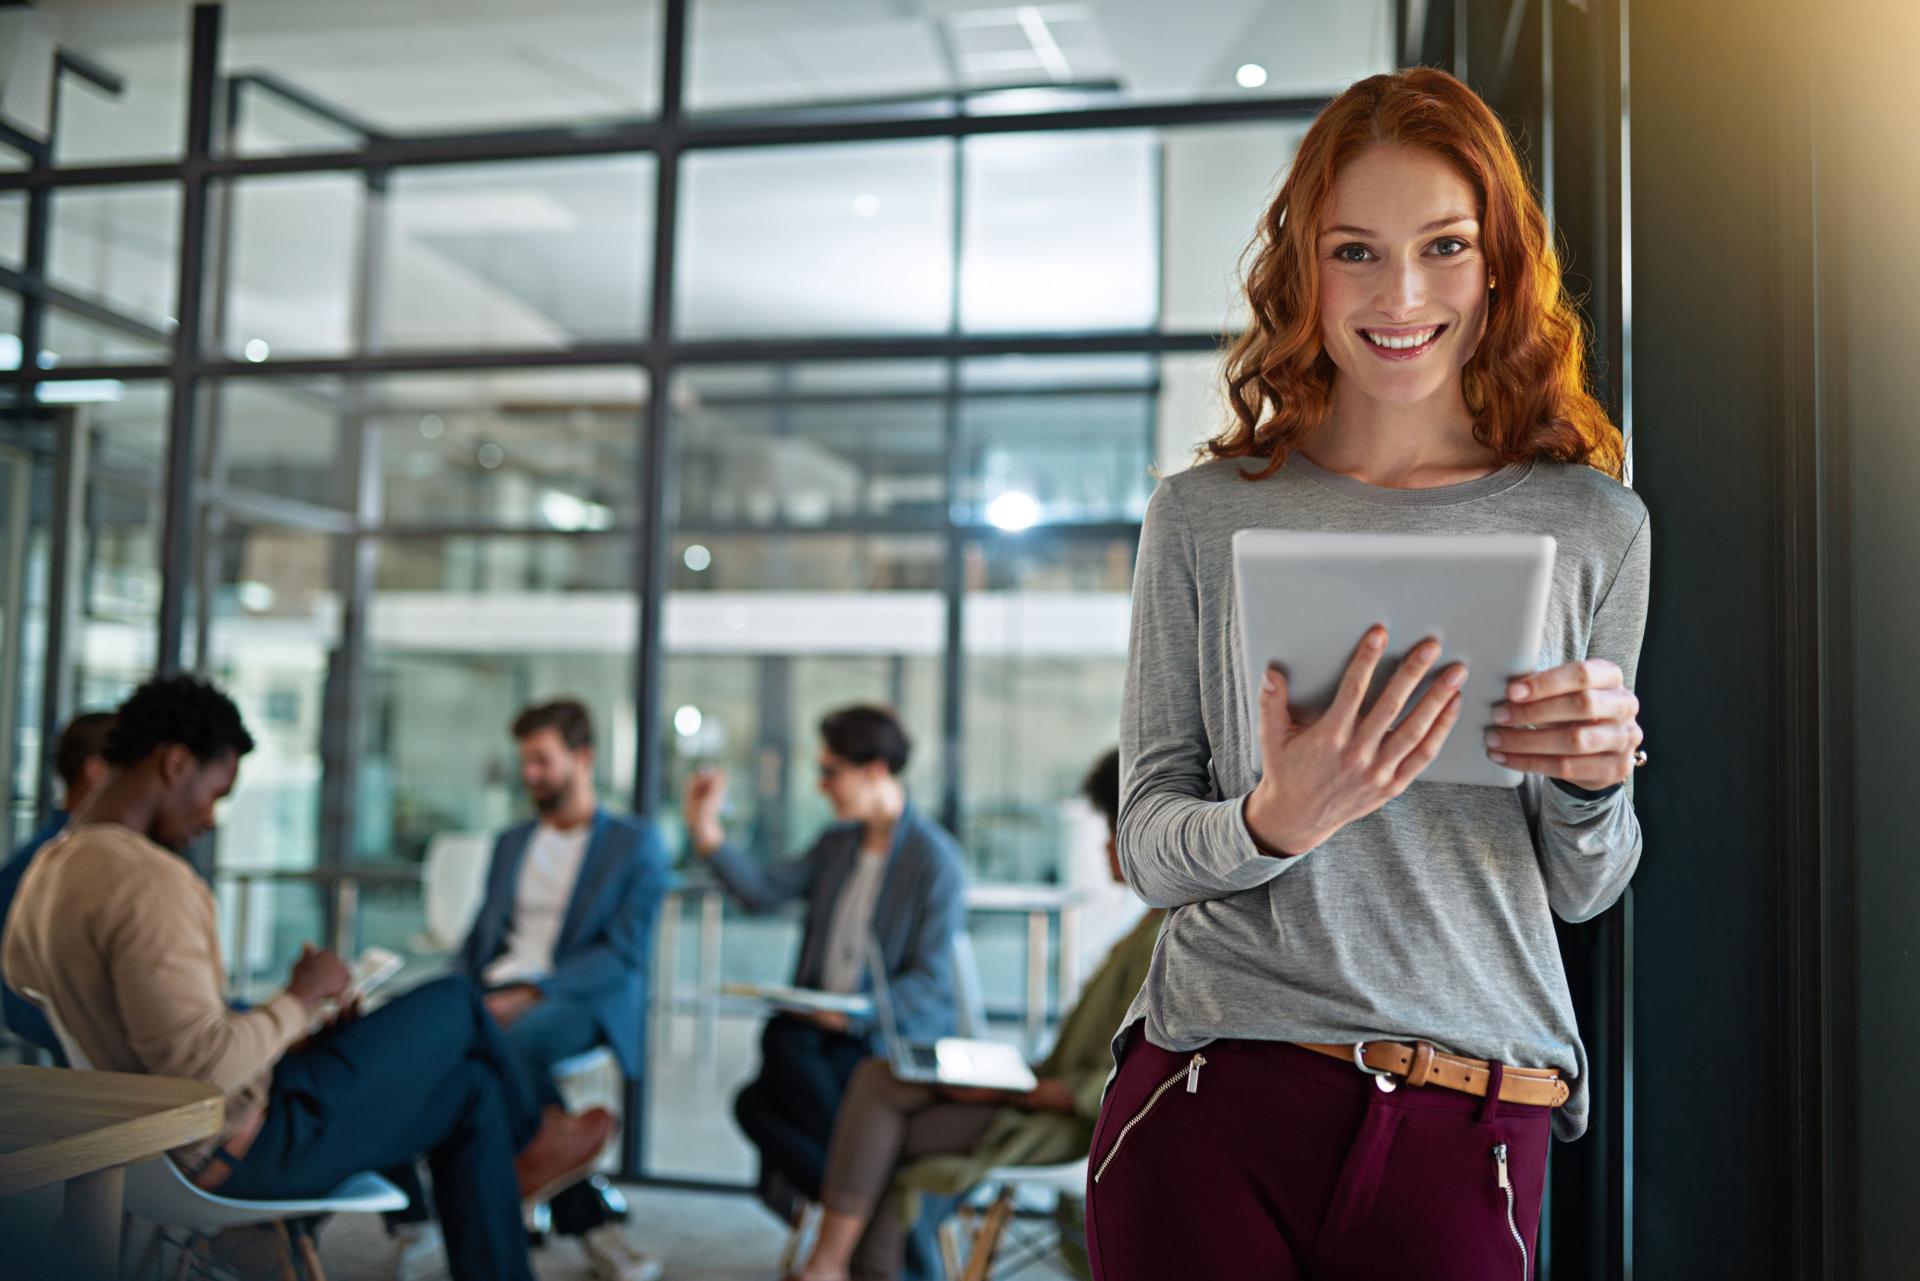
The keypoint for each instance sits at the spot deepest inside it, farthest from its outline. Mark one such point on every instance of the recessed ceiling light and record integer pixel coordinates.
(688, 721)
(432, 425)
(490, 455)
(698, 558)
(1251, 75)
(257, 350)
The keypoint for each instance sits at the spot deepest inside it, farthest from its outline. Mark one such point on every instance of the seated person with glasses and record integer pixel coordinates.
(942, 1140)
(883, 868)
(116, 931)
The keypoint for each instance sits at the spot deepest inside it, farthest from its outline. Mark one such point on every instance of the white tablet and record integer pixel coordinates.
(1305, 599)
(803, 999)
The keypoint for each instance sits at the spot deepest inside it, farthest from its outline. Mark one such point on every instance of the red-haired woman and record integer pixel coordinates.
(1356, 1036)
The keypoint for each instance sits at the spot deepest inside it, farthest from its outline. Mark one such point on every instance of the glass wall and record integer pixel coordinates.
(26, 538)
(766, 56)
(892, 443)
(119, 561)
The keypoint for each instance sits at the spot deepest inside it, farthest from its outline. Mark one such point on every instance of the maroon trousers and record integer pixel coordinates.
(1258, 1159)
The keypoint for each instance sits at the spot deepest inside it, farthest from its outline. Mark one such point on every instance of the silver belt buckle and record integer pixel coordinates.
(1382, 1079)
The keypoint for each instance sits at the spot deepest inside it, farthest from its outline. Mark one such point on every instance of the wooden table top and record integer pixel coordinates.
(56, 1124)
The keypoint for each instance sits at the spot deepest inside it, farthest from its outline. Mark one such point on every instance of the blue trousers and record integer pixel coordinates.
(428, 1073)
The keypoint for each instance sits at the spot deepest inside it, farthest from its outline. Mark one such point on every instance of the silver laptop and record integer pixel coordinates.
(951, 1060)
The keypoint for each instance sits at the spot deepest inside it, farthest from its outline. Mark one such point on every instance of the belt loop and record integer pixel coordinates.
(1496, 1074)
(1420, 1072)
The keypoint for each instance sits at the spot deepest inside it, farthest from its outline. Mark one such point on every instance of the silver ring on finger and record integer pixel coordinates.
(1639, 758)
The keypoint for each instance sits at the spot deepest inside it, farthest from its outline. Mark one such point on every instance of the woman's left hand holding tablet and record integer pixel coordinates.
(1575, 722)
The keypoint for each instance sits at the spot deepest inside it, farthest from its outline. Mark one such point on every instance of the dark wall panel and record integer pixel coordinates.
(1716, 174)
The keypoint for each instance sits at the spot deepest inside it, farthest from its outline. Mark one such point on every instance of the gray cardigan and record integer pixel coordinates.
(922, 906)
(1431, 918)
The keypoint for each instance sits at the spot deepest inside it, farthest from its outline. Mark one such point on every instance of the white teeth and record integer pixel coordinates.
(1403, 341)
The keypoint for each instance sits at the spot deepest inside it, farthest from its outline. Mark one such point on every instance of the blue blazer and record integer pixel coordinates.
(922, 906)
(605, 949)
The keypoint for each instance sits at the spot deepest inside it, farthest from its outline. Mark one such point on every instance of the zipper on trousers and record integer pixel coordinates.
(1506, 1185)
(1191, 1071)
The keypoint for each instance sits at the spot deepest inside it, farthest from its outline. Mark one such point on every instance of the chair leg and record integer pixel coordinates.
(188, 1253)
(289, 1267)
(144, 1266)
(310, 1256)
(950, 1249)
(980, 1258)
(303, 1252)
(803, 1223)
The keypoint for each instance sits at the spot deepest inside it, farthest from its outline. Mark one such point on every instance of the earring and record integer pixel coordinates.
(1491, 282)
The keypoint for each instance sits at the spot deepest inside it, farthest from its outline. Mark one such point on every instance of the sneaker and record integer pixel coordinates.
(562, 1152)
(613, 1257)
(419, 1252)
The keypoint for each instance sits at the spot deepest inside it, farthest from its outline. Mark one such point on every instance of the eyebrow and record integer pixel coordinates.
(1435, 225)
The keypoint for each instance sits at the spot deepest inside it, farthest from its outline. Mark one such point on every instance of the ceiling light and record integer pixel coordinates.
(564, 511)
(866, 205)
(432, 425)
(257, 350)
(1013, 511)
(1251, 75)
(1045, 47)
(81, 391)
(490, 455)
(698, 558)
(688, 721)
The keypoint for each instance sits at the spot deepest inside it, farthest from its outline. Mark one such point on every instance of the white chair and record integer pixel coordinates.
(975, 1258)
(590, 1075)
(971, 1015)
(454, 875)
(159, 1194)
(585, 1064)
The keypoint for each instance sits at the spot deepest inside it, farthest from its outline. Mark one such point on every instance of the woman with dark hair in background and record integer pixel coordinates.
(883, 869)
(1356, 1034)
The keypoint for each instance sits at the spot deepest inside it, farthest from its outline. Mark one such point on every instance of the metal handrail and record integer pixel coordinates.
(1038, 903)
(346, 883)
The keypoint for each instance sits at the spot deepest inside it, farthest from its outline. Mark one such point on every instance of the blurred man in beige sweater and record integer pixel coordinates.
(116, 933)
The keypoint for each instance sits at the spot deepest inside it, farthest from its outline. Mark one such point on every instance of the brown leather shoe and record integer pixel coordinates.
(562, 1151)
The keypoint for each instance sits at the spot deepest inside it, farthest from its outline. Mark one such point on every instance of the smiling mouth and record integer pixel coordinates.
(1404, 343)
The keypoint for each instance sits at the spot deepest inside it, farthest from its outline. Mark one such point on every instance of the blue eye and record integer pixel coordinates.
(1461, 246)
(1345, 253)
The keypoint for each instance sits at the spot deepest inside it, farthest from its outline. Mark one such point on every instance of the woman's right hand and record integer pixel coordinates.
(1316, 778)
(706, 793)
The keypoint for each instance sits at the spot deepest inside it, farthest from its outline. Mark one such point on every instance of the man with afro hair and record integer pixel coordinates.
(115, 932)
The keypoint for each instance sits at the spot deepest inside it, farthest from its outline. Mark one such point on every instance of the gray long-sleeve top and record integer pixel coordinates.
(1430, 918)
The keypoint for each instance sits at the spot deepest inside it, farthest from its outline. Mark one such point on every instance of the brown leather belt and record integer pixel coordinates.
(220, 1166)
(1421, 1064)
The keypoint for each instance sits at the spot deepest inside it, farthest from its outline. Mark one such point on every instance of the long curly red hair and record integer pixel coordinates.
(1525, 383)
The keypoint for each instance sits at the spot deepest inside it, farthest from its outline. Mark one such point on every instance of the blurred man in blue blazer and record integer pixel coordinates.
(564, 938)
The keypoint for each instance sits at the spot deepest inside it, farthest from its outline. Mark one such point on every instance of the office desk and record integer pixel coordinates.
(85, 1128)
